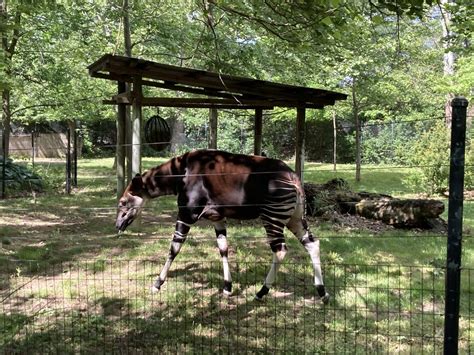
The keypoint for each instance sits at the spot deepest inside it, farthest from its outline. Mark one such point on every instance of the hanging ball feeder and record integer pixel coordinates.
(157, 133)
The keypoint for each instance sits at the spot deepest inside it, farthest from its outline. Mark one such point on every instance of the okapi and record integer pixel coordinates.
(216, 185)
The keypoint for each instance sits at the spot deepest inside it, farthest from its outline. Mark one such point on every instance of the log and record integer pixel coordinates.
(336, 196)
(400, 213)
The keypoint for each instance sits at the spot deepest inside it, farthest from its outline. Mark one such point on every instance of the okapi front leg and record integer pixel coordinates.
(179, 237)
(221, 235)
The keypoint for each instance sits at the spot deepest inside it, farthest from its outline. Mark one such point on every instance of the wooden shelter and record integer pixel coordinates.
(208, 89)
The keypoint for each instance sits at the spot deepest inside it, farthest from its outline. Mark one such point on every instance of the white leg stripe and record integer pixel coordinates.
(187, 225)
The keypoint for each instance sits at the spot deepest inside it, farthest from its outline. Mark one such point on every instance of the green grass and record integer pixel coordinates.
(69, 284)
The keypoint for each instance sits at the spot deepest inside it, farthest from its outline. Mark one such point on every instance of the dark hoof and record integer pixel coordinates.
(260, 294)
(227, 290)
(157, 286)
(325, 298)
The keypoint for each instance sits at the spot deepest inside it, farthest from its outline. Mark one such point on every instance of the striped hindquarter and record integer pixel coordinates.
(285, 207)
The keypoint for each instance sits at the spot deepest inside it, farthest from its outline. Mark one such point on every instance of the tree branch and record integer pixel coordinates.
(16, 35)
(3, 16)
(267, 25)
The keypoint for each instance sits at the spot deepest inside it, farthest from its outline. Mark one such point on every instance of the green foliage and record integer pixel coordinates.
(351, 46)
(52, 177)
(469, 164)
(462, 23)
(431, 155)
(18, 178)
(386, 143)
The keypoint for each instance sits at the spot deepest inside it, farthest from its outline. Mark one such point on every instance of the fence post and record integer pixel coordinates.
(455, 213)
(33, 149)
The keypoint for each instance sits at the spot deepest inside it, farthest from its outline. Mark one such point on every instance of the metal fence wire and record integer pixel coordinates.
(107, 306)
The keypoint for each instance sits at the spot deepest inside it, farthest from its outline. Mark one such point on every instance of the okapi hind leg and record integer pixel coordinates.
(299, 227)
(221, 235)
(179, 237)
(279, 249)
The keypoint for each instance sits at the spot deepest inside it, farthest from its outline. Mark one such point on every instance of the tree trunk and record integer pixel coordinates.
(212, 144)
(6, 120)
(126, 29)
(177, 132)
(300, 142)
(8, 51)
(208, 12)
(448, 57)
(355, 112)
(128, 116)
(334, 145)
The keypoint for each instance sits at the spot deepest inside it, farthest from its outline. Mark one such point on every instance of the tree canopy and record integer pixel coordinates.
(389, 53)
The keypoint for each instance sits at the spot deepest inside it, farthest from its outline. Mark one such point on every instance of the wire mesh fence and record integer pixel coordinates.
(106, 305)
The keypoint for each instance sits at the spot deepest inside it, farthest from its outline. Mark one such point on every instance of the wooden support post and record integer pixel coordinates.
(257, 141)
(300, 141)
(128, 138)
(136, 126)
(120, 147)
(212, 128)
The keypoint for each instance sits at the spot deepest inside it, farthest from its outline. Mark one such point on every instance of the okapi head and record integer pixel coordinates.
(164, 179)
(131, 203)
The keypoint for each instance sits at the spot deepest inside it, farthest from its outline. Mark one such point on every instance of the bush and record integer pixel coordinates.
(18, 178)
(469, 166)
(430, 154)
(387, 143)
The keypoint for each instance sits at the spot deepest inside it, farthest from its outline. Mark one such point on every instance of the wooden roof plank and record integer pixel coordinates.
(209, 102)
(208, 83)
(196, 105)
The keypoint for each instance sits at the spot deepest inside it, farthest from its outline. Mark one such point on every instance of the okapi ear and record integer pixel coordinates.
(137, 183)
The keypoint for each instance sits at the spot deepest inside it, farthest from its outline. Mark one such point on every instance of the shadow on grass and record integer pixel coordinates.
(374, 308)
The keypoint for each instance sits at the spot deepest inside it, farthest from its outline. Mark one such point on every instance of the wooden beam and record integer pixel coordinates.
(257, 140)
(300, 141)
(146, 102)
(167, 85)
(120, 147)
(210, 102)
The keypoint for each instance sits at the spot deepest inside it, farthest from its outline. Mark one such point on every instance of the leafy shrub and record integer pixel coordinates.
(387, 143)
(19, 178)
(469, 166)
(52, 176)
(430, 154)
